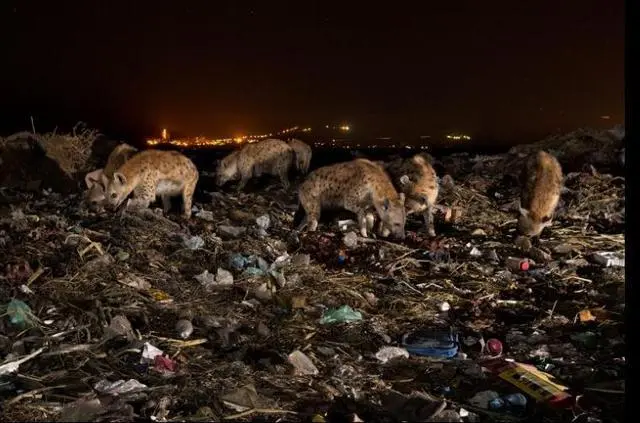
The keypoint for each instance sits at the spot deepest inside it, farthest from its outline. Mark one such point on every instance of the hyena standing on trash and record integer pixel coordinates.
(417, 179)
(268, 157)
(154, 173)
(97, 180)
(357, 186)
(303, 155)
(541, 183)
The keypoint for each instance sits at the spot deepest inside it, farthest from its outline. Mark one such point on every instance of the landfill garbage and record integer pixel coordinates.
(608, 259)
(431, 343)
(263, 222)
(515, 403)
(302, 364)
(184, 328)
(20, 314)
(340, 315)
(119, 387)
(231, 231)
(530, 380)
(516, 264)
(103, 284)
(494, 347)
(350, 239)
(194, 242)
(483, 399)
(385, 354)
(205, 215)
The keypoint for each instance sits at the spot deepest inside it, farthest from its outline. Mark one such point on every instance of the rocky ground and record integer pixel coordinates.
(233, 315)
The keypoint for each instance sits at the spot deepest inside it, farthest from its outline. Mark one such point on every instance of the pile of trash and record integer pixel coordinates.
(234, 315)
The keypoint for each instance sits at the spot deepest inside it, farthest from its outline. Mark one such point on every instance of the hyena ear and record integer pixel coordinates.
(404, 179)
(93, 178)
(386, 204)
(119, 178)
(523, 212)
(402, 197)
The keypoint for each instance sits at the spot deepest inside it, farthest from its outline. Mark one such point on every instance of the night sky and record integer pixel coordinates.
(502, 69)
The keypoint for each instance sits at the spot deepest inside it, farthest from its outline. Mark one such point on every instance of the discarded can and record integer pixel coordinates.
(515, 264)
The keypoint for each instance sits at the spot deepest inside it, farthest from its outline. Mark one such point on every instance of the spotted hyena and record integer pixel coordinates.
(154, 173)
(541, 183)
(417, 179)
(267, 157)
(303, 155)
(358, 186)
(97, 180)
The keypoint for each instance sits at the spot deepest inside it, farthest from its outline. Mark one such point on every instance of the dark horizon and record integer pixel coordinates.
(504, 72)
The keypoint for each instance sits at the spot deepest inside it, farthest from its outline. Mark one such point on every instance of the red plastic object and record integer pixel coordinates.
(494, 346)
(524, 265)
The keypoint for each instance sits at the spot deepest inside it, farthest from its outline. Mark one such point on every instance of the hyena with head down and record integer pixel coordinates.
(97, 181)
(416, 178)
(154, 173)
(268, 157)
(303, 155)
(541, 184)
(358, 186)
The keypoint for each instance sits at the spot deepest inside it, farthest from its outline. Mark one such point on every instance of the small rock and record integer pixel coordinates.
(326, 351)
(563, 249)
(475, 252)
(205, 215)
(194, 243)
(447, 416)
(371, 298)
(301, 260)
(523, 243)
(539, 255)
(389, 353)
(120, 326)
(206, 279)
(350, 240)
(263, 293)
(302, 364)
(224, 277)
(263, 329)
(263, 222)
(241, 216)
(444, 306)
(122, 256)
(479, 232)
(231, 231)
(184, 328)
(491, 255)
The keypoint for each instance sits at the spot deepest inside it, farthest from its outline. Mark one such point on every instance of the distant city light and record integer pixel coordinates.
(458, 137)
(164, 134)
(345, 128)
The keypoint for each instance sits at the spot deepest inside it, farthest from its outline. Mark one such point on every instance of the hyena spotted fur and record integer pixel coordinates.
(303, 155)
(358, 186)
(97, 180)
(267, 157)
(541, 184)
(154, 173)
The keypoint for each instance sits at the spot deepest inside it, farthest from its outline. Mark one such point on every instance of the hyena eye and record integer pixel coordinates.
(114, 195)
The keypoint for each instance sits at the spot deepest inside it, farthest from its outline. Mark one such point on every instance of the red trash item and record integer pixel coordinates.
(516, 264)
(494, 346)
